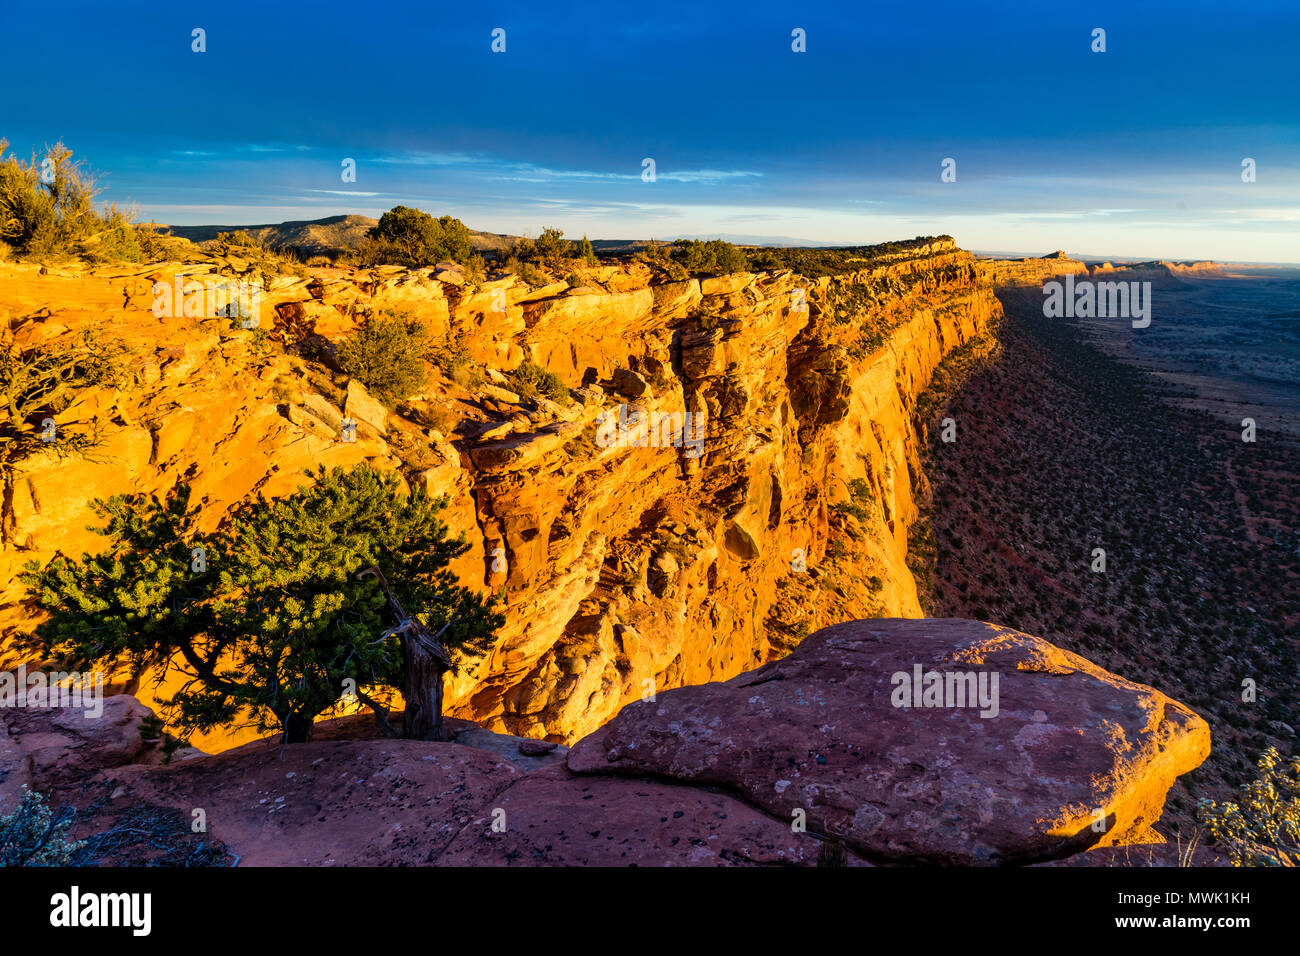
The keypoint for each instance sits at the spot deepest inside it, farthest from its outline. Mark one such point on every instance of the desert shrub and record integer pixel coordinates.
(524, 250)
(714, 256)
(817, 262)
(475, 269)
(587, 252)
(530, 273)
(32, 835)
(273, 622)
(531, 380)
(411, 237)
(387, 356)
(1264, 828)
(451, 357)
(118, 241)
(239, 237)
(454, 360)
(552, 249)
(46, 204)
(861, 501)
(154, 245)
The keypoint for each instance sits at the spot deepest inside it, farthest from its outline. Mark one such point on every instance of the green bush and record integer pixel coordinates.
(712, 257)
(816, 262)
(37, 383)
(118, 241)
(239, 237)
(552, 249)
(587, 252)
(273, 621)
(387, 357)
(414, 238)
(531, 380)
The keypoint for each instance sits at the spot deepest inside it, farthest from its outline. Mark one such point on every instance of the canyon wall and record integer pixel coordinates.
(624, 570)
(1029, 271)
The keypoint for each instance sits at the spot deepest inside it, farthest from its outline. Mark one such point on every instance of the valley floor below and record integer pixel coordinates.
(1061, 450)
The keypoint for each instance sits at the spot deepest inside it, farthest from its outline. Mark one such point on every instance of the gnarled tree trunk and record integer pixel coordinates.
(422, 689)
(297, 728)
(426, 661)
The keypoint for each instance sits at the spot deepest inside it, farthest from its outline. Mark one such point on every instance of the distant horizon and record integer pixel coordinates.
(772, 241)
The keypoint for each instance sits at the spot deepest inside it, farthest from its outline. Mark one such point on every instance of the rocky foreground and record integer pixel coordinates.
(803, 761)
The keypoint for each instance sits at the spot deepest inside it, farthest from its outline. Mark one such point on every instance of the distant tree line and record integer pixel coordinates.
(817, 262)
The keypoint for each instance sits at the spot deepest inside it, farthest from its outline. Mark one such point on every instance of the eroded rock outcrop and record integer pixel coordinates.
(1029, 271)
(43, 747)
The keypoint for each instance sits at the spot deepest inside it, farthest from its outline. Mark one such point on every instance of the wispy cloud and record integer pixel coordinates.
(344, 192)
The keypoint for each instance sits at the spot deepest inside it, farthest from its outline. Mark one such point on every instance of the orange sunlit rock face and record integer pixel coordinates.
(625, 569)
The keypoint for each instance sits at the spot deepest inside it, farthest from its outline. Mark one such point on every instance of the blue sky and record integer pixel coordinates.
(1133, 152)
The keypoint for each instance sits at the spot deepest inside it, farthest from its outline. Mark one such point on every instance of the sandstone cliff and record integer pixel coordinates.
(1030, 271)
(625, 570)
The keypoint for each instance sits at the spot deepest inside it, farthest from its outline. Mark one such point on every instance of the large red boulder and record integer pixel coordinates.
(1059, 756)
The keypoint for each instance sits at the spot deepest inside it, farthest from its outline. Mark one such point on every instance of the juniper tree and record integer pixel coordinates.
(552, 248)
(266, 617)
(417, 239)
(387, 356)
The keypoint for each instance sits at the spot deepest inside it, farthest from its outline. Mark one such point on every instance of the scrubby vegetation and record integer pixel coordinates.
(531, 380)
(34, 835)
(550, 251)
(239, 238)
(387, 356)
(265, 618)
(698, 258)
(47, 209)
(815, 262)
(1263, 827)
(413, 238)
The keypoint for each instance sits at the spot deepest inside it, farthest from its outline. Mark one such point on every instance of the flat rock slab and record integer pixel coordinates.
(555, 818)
(335, 803)
(818, 731)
